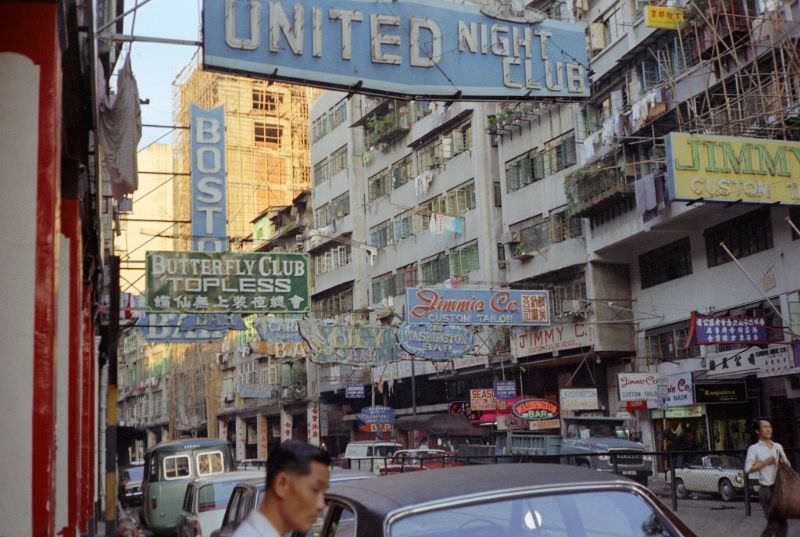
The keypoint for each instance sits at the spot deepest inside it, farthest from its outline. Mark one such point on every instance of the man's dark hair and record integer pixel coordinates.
(294, 457)
(757, 424)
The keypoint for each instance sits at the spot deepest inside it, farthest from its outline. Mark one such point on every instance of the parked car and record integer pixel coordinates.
(168, 468)
(369, 455)
(717, 474)
(205, 501)
(414, 460)
(512, 500)
(246, 496)
(129, 492)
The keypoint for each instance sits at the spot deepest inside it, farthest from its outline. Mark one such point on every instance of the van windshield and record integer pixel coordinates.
(383, 451)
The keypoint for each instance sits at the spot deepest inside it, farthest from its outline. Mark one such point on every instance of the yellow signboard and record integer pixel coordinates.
(729, 169)
(670, 18)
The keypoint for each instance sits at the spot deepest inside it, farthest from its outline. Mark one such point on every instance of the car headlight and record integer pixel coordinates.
(647, 458)
(603, 458)
(739, 479)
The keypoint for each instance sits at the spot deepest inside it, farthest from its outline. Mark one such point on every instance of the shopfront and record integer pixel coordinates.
(683, 428)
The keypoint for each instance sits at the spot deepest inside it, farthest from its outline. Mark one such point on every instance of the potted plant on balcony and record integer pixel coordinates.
(522, 253)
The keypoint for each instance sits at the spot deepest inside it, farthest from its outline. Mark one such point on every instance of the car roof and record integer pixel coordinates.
(188, 443)
(372, 443)
(373, 499)
(230, 476)
(343, 474)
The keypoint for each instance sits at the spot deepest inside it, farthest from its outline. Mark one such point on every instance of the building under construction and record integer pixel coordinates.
(266, 146)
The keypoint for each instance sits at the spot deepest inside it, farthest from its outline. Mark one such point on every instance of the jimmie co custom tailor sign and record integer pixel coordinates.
(638, 386)
(196, 282)
(429, 48)
(435, 342)
(505, 307)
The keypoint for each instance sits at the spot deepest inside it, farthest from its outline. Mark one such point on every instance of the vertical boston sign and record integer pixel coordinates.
(209, 207)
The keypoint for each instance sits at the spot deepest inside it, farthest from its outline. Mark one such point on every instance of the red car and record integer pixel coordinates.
(414, 460)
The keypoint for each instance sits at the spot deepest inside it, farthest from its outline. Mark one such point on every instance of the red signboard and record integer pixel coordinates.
(535, 409)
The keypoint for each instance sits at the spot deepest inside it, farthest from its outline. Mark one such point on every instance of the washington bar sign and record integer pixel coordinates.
(413, 48)
(205, 282)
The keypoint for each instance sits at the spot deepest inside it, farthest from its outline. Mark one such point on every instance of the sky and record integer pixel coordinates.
(156, 65)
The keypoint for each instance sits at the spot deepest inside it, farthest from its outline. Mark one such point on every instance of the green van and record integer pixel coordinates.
(168, 468)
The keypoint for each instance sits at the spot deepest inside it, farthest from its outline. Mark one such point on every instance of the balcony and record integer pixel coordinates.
(387, 129)
(596, 188)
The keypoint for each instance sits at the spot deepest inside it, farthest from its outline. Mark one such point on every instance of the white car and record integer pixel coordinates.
(369, 455)
(205, 501)
(718, 474)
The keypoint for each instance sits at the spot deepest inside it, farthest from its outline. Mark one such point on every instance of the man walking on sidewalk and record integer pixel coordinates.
(298, 475)
(762, 462)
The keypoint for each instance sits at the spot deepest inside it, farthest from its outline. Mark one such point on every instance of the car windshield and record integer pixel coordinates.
(596, 430)
(134, 474)
(582, 514)
(214, 496)
(383, 451)
(726, 462)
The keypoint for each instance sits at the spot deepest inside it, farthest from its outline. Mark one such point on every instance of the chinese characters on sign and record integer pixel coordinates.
(376, 414)
(506, 307)
(669, 18)
(197, 282)
(505, 390)
(410, 48)
(287, 425)
(354, 391)
(708, 330)
(312, 418)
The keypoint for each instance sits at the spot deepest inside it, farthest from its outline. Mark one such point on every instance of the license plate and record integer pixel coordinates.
(628, 472)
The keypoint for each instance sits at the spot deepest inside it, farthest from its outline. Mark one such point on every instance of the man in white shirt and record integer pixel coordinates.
(298, 475)
(762, 462)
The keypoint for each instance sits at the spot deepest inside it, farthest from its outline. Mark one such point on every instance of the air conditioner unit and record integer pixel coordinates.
(572, 307)
(514, 237)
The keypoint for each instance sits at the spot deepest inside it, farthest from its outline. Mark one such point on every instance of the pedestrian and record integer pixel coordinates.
(761, 463)
(298, 475)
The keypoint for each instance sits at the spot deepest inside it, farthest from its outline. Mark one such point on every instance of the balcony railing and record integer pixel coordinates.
(388, 128)
(594, 188)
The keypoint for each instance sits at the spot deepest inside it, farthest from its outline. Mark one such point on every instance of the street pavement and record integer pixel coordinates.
(708, 516)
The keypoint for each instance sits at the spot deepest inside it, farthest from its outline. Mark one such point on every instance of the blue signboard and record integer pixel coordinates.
(276, 330)
(376, 414)
(255, 391)
(350, 344)
(435, 342)
(209, 207)
(505, 390)
(187, 328)
(416, 48)
(354, 391)
(710, 330)
(503, 307)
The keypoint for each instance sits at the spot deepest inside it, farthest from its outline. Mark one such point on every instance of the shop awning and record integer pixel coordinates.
(452, 424)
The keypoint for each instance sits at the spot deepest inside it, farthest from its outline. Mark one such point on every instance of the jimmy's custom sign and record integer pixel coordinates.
(420, 48)
(535, 409)
(196, 282)
(435, 342)
(725, 169)
(505, 307)
(209, 211)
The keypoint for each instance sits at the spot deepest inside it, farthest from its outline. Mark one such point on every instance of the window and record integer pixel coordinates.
(379, 184)
(333, 259)
(464, 259)
(794, 215)
(380, 236)
(321, 172)
(435, 270)
(383, 287)
(322, 216)
(176, 467)
(613, 27)
(214, 496)
(188, 499)
(669, 343)
(402, 171)
(498, 194)
(340, 205)
(209, 463)
(605, 513)
(329, 120)
(402, 226)
(338, 160)
(461, 199)
(665, 263)
(744, 235)
(264, 101)
(266, 135)
(407, 277)
(565, 227)
(337, 303)
(430, 155)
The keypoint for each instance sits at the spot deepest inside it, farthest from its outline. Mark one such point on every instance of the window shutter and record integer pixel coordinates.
(525, 171)
(597, 35)
(447, 147)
